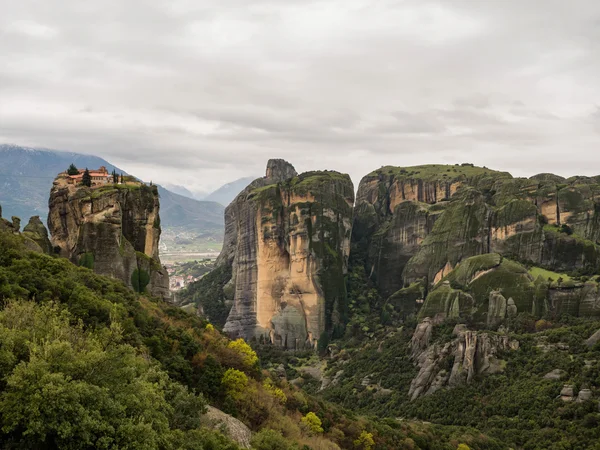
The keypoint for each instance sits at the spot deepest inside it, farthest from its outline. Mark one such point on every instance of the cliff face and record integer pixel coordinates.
(397, 210)
(456, 362)
(112, 229)
(417, 224)
(287, 242)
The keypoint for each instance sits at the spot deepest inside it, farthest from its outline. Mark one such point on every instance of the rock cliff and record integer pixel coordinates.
(416, 224)
(457, 362)
(285, 253)
(113, 229)
(490, 288)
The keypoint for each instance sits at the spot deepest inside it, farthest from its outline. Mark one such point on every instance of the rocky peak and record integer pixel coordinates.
(34, 235)
(113, 229)
(37, 232)
(285, 253)
(280, 170)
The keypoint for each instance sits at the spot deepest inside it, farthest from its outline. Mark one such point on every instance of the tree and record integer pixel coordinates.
(269, 440)
(115, 177)
(86, 180)
(68, 387)
(249, 356)
(72, 170)
(235, 383)
(365, 441)
(312, 423)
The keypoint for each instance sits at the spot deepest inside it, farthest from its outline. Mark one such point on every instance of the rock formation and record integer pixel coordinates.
(567, 393)
(228, 425)
(285, 253)
(34, 236)
(37, 232)
(490, 288)
(417, 224)
(456, 362)
(113, 229)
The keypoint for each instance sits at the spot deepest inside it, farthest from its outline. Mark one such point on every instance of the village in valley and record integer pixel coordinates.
(182, 273)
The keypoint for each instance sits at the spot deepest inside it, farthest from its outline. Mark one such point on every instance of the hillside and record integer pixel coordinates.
(86, 362)
(470, 297)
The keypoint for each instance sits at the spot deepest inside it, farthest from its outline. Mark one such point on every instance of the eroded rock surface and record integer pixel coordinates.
(37, 232)
(456, 362)
(417, 224)
(232, 427)
(286, 246)
(112, 229)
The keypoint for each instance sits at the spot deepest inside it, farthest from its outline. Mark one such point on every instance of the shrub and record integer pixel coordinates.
(235, 383)
(269, 440)
(365, 441)
(312, 423)
(249, 356)
(275, 391)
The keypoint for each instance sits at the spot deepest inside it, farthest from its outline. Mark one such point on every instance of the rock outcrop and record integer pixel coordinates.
(113, 229)
(417, 224)
(34, 236)
(567, 393)
(285, 253)
(456, 362)
(37, 232)
(229, 425)
(491, 288)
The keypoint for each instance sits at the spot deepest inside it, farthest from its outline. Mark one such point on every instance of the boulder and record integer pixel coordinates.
(230, 426)
(593, 339)
(567, 393)
(555, 374)
(584, 395)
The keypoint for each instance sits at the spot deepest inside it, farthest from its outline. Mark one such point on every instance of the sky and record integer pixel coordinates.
(199, 93)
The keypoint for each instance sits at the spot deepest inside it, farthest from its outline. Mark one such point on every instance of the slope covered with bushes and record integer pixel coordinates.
(87, 363)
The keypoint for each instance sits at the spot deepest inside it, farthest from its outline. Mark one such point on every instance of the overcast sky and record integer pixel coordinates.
(198, 92)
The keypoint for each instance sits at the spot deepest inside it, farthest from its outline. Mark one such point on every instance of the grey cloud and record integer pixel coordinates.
(208, 91)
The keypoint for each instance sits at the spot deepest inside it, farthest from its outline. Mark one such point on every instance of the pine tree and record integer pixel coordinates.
(115, 177)
(86, 180)
(72, 170)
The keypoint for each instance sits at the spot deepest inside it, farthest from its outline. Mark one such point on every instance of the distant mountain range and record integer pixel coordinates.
(223, 195)
(226, 193)
(26, 176)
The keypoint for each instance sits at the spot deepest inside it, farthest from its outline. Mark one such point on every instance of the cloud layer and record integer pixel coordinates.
(200, 93)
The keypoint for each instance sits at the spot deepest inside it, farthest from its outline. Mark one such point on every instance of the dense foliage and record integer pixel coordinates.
(519, 407)
(74, 365)
(86, 362)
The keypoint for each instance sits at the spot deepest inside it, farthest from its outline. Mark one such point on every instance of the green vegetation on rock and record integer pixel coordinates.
(139, 280)
(87, 260)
